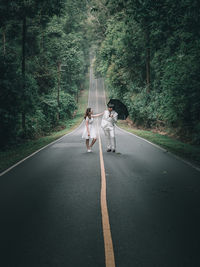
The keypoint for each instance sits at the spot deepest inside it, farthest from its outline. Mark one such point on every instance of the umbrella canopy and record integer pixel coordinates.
(120, 108)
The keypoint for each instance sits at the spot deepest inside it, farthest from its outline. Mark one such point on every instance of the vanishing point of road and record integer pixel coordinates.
(139, 207)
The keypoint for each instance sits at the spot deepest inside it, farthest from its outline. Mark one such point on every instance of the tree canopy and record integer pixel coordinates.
(149, 53)
(44, 58)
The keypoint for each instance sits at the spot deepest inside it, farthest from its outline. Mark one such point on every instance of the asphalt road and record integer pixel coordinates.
(51, 212)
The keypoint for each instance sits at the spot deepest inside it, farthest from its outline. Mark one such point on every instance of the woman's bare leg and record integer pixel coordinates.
(87, 143)
(93, 141)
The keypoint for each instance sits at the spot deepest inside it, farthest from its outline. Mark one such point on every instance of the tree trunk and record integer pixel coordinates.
(147, 60)
(148, 66)
(4, 42)
(42, 39)
(24, 31)
(58, 92)
(77, 93)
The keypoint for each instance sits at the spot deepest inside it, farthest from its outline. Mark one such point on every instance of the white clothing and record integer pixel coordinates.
(108, 125)
(91, 129)
(107, 121)
(110, 138)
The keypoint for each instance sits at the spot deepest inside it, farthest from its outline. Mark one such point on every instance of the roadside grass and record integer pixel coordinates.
(17, 153)
(183, 150)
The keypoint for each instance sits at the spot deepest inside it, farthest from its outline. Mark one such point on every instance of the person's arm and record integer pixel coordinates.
(97, 115)
(87, 126)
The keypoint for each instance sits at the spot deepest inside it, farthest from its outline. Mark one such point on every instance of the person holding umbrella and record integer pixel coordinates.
(108, 125)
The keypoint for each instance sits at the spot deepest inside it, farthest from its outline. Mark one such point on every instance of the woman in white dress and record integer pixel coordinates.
(89, 129)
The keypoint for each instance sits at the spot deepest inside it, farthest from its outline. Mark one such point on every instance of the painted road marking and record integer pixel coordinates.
(108, 244)
(22, 160)
(19, 162)
(164, 150)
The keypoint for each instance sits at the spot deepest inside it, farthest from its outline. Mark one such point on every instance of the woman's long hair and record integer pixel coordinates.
(88, 110)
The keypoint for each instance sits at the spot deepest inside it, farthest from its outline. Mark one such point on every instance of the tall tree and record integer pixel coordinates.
(145, 54)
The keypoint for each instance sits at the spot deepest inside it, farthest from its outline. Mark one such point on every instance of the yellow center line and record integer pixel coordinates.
(108, 244)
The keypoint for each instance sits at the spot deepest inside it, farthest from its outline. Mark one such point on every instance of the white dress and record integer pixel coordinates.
(91, 129)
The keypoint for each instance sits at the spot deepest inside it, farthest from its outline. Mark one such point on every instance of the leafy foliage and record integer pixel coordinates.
(44, 58)
(149, 54)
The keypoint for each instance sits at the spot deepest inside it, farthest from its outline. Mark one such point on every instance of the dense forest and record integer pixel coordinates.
(44, 58)
(149, 53)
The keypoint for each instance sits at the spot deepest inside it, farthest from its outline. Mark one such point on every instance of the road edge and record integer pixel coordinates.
(22, 160)
(163, 149)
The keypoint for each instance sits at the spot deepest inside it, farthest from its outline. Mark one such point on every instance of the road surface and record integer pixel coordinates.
(51, 204)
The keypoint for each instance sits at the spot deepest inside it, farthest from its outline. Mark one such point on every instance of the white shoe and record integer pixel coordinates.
(89, 150)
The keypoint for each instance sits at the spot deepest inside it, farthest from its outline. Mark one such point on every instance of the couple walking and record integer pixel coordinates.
(108, 125)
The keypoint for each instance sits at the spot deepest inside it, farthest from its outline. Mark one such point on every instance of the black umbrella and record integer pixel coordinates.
(120, 108)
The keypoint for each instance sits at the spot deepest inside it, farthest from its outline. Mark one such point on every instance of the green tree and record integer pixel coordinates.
(149, 55)
(36, 39)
